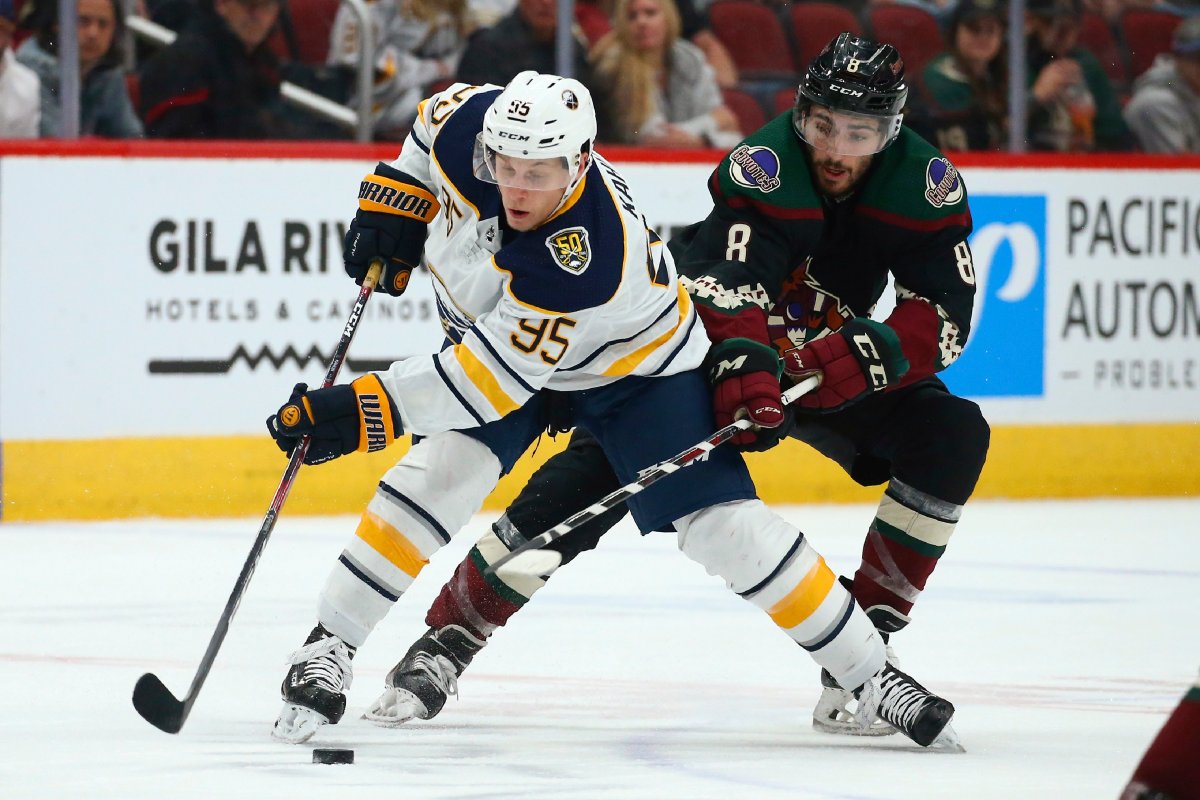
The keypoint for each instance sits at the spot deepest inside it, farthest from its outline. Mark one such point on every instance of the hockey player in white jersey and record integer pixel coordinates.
(560, 306)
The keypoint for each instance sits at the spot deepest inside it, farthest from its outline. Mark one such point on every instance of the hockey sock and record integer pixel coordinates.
(909, 534)
(1170, 765)
(420, 503)
(770, 563)
(478, 602)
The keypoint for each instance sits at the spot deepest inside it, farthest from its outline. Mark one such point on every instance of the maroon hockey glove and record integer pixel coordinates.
(861, 357)
(745, 379)
(394, 212)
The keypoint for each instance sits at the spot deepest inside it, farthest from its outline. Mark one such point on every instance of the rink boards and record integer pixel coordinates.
(157, 302)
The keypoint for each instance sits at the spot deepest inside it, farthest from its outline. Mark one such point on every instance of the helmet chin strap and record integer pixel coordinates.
(584, 162)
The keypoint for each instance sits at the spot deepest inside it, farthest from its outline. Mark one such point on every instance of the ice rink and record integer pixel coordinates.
(1064, 633)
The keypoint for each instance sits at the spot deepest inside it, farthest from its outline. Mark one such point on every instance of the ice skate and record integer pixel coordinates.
(428, 674)
(837, 709)
(313, 689)
(916, 712)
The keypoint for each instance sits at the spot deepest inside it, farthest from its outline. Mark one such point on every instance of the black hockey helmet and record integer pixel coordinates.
(855, 76)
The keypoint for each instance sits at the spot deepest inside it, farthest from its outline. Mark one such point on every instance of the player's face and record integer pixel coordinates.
(841, 145)
(530, 189)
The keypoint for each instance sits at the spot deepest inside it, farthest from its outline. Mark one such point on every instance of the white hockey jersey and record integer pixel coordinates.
(586, 299)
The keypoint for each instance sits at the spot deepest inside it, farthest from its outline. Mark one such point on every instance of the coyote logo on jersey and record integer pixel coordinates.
(805, 311)
(571, 249)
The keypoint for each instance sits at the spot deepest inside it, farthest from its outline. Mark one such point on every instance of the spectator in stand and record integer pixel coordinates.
(20, 102)
(1072, 105)
(1164, 112)
(523, 40)
(968, 84)
(104, 105)
(219, 79)
(417, 43)
(660, 89)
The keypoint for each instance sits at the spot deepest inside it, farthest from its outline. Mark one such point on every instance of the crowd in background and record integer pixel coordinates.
(664, 73)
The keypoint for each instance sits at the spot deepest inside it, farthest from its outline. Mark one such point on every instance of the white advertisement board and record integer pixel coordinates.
(156, 296)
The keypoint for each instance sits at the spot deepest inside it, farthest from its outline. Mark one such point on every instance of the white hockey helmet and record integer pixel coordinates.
(537, 117)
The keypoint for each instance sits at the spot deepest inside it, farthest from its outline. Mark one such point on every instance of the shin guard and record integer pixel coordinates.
(770, 563)
(418, 506)
(482, 603)
(908, 536)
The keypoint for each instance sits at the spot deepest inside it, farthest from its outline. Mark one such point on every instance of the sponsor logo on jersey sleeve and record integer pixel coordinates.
(570, 249)
(755, 168)
(943, 186)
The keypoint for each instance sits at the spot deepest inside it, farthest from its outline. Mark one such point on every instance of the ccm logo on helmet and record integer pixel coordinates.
(833, 87)
(517, 137)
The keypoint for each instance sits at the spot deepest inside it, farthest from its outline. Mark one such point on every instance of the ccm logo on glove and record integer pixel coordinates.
(861, 357)
(745, 379)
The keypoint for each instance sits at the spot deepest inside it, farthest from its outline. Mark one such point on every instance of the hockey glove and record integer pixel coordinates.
(394, 212)
(358, 416)
(745, 378)
(861, 357)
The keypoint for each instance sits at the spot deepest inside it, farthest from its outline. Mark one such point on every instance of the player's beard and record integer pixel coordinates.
(851, 171)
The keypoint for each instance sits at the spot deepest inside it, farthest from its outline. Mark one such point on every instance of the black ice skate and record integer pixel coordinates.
(912, 709)
(419, 685)
(313, 689)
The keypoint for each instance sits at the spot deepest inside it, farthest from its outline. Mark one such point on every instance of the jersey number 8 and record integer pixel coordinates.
(736, 243)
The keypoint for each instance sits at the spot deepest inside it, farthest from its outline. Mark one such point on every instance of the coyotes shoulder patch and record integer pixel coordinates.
(943, 186)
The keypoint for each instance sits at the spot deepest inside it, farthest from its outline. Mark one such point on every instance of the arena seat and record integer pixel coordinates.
(911, 30)
(813, 25)
(1098, 39)
(746, 108)
(1147, 33)
(754, 37)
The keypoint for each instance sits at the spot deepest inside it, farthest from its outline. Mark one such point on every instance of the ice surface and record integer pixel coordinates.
(1063, 632)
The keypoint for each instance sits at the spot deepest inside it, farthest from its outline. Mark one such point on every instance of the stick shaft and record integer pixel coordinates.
(648, 476)
(281, 493)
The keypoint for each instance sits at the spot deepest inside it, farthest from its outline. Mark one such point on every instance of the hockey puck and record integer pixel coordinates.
(333, 756)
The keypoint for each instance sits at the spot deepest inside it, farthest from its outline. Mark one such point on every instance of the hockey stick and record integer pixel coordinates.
(152, 699)
(646, 477)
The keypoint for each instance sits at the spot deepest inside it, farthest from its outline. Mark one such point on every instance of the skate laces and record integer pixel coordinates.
(326, 663)
(439, 669)
(902, 699)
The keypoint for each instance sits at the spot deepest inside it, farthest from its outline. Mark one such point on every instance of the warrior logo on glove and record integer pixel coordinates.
(355, 417)
(290, 416)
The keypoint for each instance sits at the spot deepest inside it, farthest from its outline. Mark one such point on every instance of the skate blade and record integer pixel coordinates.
(297, 724)
(841, 728)
(395, 707)
(947, 741)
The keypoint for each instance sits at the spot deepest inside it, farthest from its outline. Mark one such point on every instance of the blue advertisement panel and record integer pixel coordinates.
(1005, 355)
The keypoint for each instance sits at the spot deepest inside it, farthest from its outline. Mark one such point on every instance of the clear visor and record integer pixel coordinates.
(513, 172)
(845, 133)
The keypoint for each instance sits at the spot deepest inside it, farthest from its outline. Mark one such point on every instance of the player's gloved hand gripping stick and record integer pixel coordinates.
(530, 558)
(152, 699)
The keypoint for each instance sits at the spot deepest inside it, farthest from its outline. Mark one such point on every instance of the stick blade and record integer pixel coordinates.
(154, 701)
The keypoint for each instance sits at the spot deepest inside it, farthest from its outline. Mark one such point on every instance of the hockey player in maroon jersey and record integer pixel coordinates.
(1170, 769)
(811, 215)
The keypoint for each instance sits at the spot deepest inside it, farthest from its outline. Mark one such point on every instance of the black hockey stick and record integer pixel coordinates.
(152, 699)
(646, 477)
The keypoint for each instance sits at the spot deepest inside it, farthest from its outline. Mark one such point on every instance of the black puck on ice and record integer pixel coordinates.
(321, 756)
